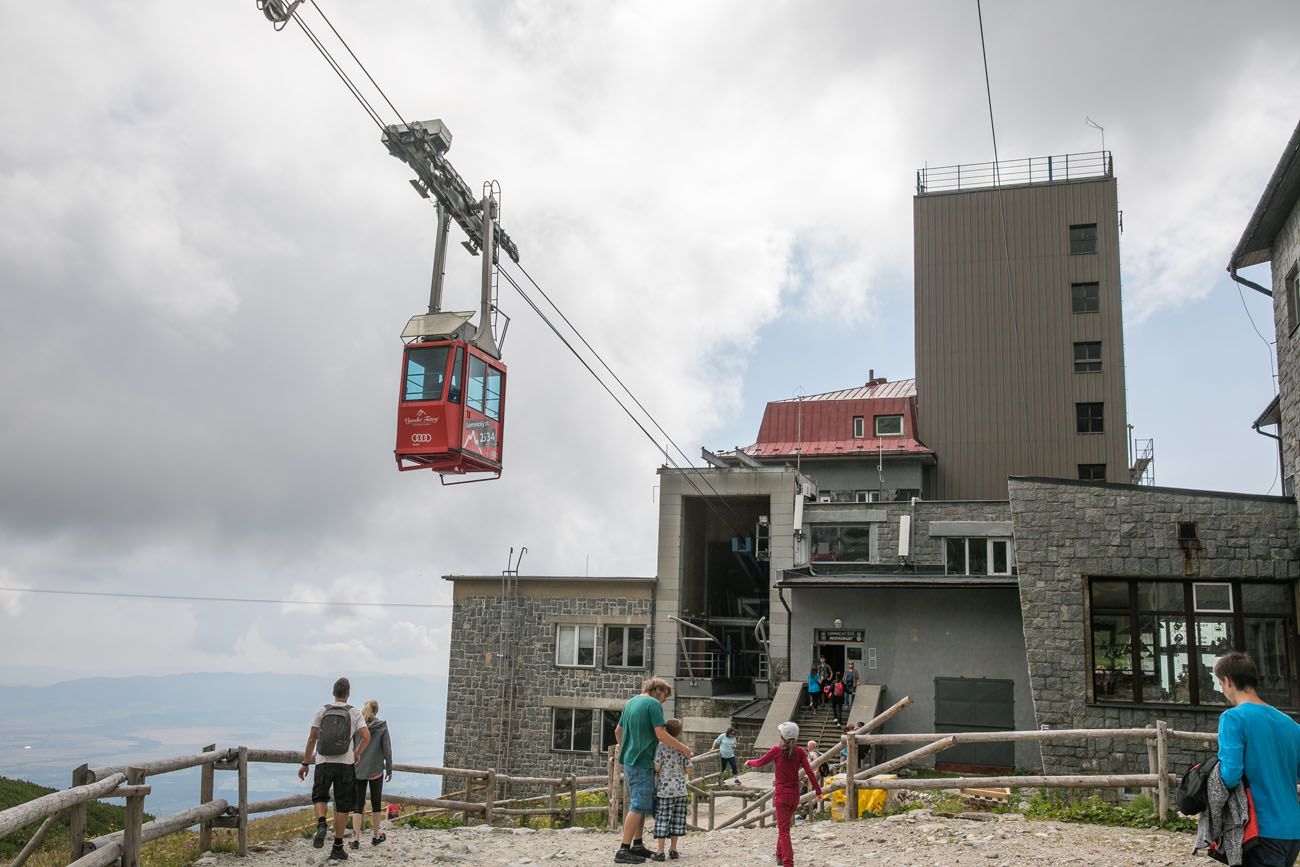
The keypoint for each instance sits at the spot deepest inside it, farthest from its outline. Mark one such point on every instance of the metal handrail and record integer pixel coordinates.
(1031, 170)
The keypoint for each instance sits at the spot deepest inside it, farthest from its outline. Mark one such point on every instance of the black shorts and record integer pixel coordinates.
(376, 787)
(342, 779)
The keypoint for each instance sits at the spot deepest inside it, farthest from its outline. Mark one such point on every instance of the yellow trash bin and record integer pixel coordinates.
(869, 800)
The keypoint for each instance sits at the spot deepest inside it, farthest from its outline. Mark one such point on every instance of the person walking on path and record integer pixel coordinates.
(639, 732)
(1260, 745)
(850, 685)
(372, 771)
(837, 699)
(725, 744)
(814, 688)
(670, 794)
(790, 760)
(330, 746)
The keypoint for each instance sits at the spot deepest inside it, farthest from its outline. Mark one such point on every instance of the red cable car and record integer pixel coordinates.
(450, 409)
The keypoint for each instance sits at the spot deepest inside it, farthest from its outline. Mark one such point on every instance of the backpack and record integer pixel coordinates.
(1190, 797)
(335, 736)
(839, 689)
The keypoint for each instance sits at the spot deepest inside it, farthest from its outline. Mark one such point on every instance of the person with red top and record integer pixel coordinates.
(790, 760)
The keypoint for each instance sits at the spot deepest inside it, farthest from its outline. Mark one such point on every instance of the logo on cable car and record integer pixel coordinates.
(421, 418)
(421, 438)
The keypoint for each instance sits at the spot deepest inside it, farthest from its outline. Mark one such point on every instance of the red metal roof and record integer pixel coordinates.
(821, 425)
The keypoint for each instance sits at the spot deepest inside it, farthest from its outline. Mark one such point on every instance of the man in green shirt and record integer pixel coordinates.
(639, 732)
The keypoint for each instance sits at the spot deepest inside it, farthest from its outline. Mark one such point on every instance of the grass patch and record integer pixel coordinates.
(1138, 813)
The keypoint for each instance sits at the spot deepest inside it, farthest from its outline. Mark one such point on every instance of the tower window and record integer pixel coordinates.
(1087, 357)
(1083, 239)
(1084, 298)
(1089, 418)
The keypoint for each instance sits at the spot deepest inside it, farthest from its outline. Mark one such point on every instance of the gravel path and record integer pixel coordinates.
(916, 839)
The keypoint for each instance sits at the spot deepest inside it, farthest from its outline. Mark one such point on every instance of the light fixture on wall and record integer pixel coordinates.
(839, 624)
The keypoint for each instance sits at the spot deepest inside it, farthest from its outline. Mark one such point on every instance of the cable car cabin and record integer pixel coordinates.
(450, 410)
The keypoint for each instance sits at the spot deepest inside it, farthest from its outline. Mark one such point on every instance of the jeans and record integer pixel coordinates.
(728, 762)
(1269, 852)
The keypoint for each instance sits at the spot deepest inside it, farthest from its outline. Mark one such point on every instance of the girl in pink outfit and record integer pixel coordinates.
(790, 759)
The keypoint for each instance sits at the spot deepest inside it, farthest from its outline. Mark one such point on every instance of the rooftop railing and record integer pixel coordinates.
(1033, 170)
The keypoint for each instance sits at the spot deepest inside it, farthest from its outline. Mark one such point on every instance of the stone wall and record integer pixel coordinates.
(926, 552)
(1066, 531)
(1286, 255)
(477, 727)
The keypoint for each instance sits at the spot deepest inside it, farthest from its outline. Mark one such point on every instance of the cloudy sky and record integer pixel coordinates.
(207, 258)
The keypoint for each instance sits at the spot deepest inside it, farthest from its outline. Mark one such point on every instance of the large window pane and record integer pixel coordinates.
(566, 646)
(586, 646)
(582, 730)
(477, 383)
(1266, 642)
(425, 369)
(608, 720)
(562, 737)
(841, 544)
(1001, 557)
(1214, 638)
(955, 550)
(1162, 653)
(1158, 596)
(977, 553)
(636, 648)
(1110, 594)
(494, 379)
(1112, 660)
(614, 646)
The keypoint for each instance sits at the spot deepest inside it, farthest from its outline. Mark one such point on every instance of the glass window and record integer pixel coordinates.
(1001, 549)
(1177, 641)
(1083, 238)
(1087, 357)
(955, 556)
(1293, 297)
(1089, 418)
(859, 427)
(1092, 472)
(1085, 297)
(453, 393)
(425, 369)
(608, 720)
(836, 543)
(978, 555)
(494, 381)
(575, 645)
(477, 383)
(889, 425)
(1112, 657)
(625, 646)
(571, 730)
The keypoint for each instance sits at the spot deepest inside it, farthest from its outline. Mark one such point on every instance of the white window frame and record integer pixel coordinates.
(989, 542)
(896, 415)
(1199, 608)
(573, 713)
(859, 427)
(578, 629)
(625, 630)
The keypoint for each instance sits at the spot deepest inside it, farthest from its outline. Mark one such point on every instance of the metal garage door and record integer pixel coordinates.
(975, 704)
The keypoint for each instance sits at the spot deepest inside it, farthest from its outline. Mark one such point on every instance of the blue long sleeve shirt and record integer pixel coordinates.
(1263, 743)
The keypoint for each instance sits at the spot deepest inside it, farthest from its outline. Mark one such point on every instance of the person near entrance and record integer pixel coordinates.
(824, 670)
(850, 685)
(1260, 744)
(814, 688)
(639, 732)
(837, 699)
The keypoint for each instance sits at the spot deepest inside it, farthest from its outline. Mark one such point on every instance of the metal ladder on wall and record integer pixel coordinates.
(507, 723)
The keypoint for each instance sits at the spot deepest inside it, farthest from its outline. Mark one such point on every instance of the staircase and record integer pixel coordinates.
(818, 725)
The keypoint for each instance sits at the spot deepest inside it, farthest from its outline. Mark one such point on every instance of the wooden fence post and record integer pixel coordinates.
(489, 794)
(850, 778)
(131, 831)
(1152, 762)
(713, 798)
(1162, 769)
(573, 801)
(550, 805)
(77, 816)
(611, 817)
(469, 796)
(242, 851)
(206, 790)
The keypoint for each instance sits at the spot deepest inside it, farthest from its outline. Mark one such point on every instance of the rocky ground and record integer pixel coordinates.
(916, 839)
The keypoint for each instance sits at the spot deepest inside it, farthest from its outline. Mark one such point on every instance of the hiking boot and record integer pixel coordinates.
(375, 841)
(338, 853)
(639, 850)
(658, 856)
(625, 856)
(319, 840)
(354, 845)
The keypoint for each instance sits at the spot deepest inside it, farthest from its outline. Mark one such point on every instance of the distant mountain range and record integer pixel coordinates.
(46, 731)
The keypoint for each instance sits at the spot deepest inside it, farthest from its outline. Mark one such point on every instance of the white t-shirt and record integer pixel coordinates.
(357, 723)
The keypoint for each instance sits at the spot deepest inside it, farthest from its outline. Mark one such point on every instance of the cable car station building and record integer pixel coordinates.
(980, 539)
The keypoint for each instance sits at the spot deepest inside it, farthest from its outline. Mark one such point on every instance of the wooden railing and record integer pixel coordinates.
(477, 798)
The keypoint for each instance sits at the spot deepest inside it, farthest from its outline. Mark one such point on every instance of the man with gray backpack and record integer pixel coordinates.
(330, 742)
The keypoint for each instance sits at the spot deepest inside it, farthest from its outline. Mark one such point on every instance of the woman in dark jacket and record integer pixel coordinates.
(373, 767)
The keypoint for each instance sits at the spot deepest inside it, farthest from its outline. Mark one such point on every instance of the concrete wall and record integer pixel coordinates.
(920, 634)
(1067, 531)
(1286, 255)
(477, 728)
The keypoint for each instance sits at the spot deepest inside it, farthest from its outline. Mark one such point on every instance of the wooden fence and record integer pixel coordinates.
(477, 797)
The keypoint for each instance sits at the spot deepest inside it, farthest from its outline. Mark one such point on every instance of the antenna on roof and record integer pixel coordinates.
(798, 428)
(1101, 129)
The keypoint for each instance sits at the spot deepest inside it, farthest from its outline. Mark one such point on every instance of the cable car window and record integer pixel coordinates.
(425, 369)
(453, 394)
(493, 394)
(477, 382)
